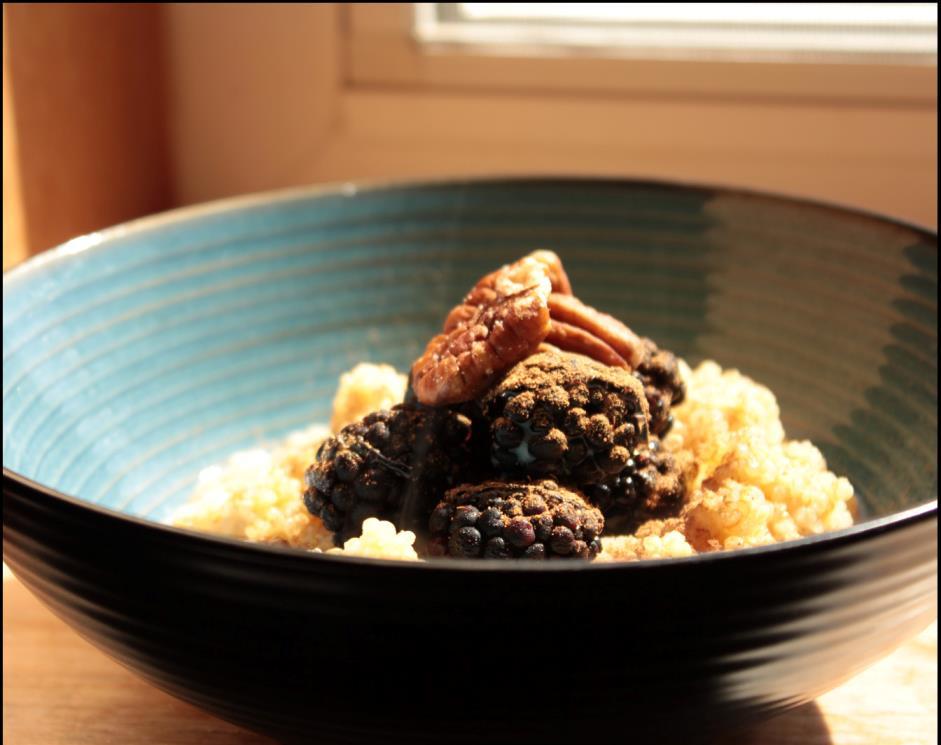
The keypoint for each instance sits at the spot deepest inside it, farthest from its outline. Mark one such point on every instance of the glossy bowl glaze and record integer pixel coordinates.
(135, 357)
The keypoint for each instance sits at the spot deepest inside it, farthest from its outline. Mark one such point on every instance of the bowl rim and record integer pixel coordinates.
(856, 532)
(351, 189)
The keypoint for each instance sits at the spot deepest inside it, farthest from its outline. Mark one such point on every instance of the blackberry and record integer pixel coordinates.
(652, 486)
(505, 520)
(663, 386)
(391, 464)
(479, 467)
(567, 417)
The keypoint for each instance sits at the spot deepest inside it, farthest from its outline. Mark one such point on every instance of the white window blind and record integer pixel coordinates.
(813, 32)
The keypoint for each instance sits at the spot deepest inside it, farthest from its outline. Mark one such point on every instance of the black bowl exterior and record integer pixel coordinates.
(317, 649)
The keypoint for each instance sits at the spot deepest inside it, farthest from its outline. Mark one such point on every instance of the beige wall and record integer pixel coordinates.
(83, 108)
(229, 99)
(254, 95)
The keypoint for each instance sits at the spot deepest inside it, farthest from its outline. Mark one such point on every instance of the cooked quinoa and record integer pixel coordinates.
(364, 389)
(747, 485)
(255, 495)
(380, 540)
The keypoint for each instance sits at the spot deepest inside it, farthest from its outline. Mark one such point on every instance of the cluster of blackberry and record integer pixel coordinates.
(532, 468)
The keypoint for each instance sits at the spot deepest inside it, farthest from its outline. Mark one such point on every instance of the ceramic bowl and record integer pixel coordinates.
(135, 357)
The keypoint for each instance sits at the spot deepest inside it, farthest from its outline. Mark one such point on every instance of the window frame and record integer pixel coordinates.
(383, 52)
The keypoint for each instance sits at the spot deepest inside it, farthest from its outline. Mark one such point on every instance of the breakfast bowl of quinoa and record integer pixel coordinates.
(529, 460)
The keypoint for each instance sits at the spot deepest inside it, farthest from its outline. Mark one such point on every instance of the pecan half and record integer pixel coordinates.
(612, 340)
(501, 321)
(533, 270)
(569, 338)
(557, 276)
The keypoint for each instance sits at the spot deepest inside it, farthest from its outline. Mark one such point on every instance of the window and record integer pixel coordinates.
(905, 32)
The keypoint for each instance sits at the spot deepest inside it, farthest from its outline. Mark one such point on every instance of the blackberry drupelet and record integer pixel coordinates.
(663, 385)
(391, 464)
(564, 416)
(505, 520)
(652, 486)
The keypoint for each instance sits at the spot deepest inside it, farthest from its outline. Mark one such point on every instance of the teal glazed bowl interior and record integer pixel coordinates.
(135, 357)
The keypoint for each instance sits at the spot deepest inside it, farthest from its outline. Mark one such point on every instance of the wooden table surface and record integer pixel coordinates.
(59, 690)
